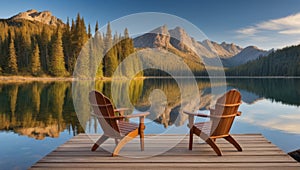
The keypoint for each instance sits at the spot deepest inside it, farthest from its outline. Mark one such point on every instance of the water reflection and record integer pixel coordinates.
(40, 110)
(286, 91)
(37, 110)
(45, 111)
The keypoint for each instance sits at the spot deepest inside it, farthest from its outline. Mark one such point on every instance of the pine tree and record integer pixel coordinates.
(57, 66)
(110, 58)
(23, 46)
(127, 49)
(96, 27)
(111, 62)
(126, 33)
(108, 38)
(79, 38)
(35, 61)
(44, 40)
(67, 45)
(12, 60)
(89, 31)
(98, 54)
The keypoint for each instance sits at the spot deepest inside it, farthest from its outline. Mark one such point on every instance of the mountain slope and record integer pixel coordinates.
(284, 62)
(44, 17)
(222, 50)
(247, 54)
(177, 38)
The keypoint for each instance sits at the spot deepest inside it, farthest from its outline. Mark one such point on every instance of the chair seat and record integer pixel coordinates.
(205, 127)
(221, 119)
(127, 127)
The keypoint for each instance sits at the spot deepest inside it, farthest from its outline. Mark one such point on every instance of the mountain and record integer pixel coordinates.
(247, 54)
(158, 37)
(284, 62)
(222, 50)
(31, 42)
(179, 39)
(44, 17)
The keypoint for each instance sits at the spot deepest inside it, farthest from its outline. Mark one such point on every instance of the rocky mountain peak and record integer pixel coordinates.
(161, 30)
(45, 17)
(179, 39)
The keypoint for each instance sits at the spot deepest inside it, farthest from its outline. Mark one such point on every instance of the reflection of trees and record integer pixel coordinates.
(81, 92)
(46, 109)
(81, 102)
(163, 98)
(37, 109)
(56, 96)
(283, 90)
(13, 94)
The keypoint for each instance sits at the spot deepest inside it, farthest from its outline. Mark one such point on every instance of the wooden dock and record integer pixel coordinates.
(258, 153)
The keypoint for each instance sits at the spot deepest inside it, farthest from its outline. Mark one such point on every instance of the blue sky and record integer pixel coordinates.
(263, 23)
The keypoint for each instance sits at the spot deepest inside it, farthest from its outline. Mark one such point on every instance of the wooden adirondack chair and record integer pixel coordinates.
(113, 123)
(221, 119)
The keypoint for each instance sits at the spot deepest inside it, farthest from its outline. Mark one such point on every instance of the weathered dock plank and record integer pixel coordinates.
(257, 152)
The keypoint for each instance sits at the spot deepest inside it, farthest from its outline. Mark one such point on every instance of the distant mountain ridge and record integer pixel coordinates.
(283, 62)
(178, 38)
(247, 54)
(44, 17)
(231, 55)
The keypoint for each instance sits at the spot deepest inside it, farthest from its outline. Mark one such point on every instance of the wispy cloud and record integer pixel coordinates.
(285, 25)
(248, 31)
(282, 30)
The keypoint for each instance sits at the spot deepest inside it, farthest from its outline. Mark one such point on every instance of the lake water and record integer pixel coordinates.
(37, 117)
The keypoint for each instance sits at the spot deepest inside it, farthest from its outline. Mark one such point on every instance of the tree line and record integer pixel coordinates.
(33, 48)
(284, 62)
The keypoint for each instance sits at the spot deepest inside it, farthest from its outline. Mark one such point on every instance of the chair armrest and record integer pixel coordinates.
(195, 114)
(209, 116)
(107, 117)
(142, 118)
(121, 110)
(143, 114)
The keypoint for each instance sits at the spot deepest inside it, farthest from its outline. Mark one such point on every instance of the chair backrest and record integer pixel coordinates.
(104, 110)
(226, 109)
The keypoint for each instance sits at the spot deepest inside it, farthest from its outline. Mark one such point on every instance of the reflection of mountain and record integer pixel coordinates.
(37, 110)
(163, 99)
(42, 110)
(167, 111)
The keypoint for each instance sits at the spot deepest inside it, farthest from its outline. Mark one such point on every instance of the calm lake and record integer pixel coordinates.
(37, 117)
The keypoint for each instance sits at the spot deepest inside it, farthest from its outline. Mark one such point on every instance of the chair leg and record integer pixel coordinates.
(141, 132)
(116, 141)
(231, 140)
(99, 142)
(142, 141)
(123, 141)
(214, 146)
(191, 139)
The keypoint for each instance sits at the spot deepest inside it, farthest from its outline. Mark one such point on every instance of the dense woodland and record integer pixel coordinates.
(33, 48)
(284, 62)
(37, 49)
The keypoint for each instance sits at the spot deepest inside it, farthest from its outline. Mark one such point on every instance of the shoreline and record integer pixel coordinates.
(23, 79)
